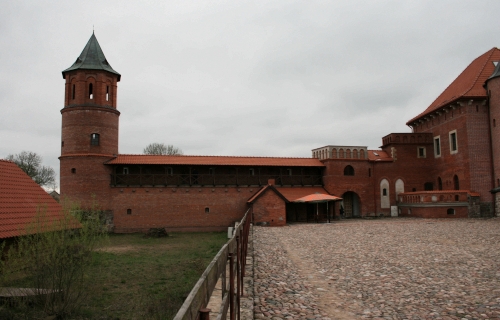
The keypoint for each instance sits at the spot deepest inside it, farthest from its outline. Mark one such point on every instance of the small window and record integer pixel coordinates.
(421, 152)
(450, 211)
(348, 171)
(91, 91)
(453, 142)
(73, 170)
(456, 183)
(170, 171)
(252, 171)
(440, 184)
(289, 172)
(207, 210)
(369, 172)
(94, 139)
(129, 211)
(428, 186)
(457, 197)
(73, 92)
(437, 146)
(107, 93)
(384, 192)
(125, 170)
(62, 143)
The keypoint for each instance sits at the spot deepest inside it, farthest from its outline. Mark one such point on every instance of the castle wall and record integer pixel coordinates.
(178, 209)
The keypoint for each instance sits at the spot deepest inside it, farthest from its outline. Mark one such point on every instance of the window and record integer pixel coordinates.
(428, 186)
(450, 211)
(129, 211)
(384, 192)
(207, 210)
(251, 171)
(453, 142)
(107, 93)
(369, 172)
(421, 152)
(385, 202)
(437, 146)
(125, 170)
(73, 92)
(73, 170)
(211, 171)
(440, 184)
(170, 171)
(91, 91)
(94, 139)
(456, 184)
(289, 172)
(348, 171)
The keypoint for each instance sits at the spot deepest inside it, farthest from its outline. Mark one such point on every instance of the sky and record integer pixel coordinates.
(239, 78)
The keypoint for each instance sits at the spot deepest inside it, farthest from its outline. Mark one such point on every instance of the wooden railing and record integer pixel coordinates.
(231, 257)
(211, 180)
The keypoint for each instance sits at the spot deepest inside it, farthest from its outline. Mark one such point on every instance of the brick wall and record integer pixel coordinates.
(270, 209)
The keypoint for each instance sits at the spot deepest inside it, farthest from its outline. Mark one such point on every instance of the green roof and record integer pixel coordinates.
(92, 58)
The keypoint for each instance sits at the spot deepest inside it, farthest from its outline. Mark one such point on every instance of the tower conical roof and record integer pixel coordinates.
(496, 72)
(92, 58)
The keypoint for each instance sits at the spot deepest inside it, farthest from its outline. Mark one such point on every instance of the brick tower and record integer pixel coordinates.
(492, 86)
(89, 134)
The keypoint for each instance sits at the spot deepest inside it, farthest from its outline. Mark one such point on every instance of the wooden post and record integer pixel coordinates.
(205, 314)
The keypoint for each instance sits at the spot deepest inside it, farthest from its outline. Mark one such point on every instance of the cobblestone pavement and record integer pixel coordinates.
(380, 269)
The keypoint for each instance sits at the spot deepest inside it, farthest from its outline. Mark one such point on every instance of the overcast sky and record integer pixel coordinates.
(247, 78)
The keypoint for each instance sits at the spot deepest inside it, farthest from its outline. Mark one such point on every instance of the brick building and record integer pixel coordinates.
(449, 166)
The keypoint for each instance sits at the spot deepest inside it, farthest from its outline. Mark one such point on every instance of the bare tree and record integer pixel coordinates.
(31, 163)
(162, 149)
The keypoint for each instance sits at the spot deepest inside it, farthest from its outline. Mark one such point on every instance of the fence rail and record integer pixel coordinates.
(232, 256)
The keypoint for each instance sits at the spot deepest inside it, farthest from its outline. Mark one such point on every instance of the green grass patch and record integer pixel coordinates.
(149, 277)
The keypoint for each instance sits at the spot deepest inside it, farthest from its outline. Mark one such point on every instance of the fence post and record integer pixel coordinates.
(205, 314)
(238, 272)
(231, 286)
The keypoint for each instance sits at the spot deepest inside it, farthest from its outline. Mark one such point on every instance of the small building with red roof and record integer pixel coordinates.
(447, 166)
(23, 203)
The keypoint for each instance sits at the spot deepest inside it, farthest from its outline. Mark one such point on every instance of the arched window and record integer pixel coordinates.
(94, 139)
(348, 171)
(73, 92)
(400, 187)
(361, 154)
(91, 91)
(355, 153)
(348, 154)
(428, 186)
(456, 184)
(440, 184)
(107, 93)
(341, 153)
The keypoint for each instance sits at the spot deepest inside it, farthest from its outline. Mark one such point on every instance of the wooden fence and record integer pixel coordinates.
(231, 257)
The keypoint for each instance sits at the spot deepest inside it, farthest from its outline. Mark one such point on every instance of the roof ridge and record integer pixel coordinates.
(206, 156)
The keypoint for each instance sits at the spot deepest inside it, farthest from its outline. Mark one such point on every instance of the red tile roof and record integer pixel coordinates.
(289, 193)
(378, 155)
(215, 160)
(469, 84)
(21, 199)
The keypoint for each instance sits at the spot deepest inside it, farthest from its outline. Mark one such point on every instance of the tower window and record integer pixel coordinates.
(91, 91)
(207, 210)
(107, 93)
(129, 211)
(73, 93)
(369, 172)
(384, 192)
(73, 170)
(94, 139)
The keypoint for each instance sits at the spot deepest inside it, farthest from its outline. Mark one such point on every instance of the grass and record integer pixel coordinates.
(150, 277)
(146, 278)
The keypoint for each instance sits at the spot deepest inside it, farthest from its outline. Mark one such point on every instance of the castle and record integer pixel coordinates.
(447, 167)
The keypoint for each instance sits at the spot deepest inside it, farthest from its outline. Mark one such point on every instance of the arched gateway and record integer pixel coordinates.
(351, 204)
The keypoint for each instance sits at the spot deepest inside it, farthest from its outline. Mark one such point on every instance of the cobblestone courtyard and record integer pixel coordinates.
(381, 269)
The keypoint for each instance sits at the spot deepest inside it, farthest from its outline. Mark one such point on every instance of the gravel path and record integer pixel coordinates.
(380, 269)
